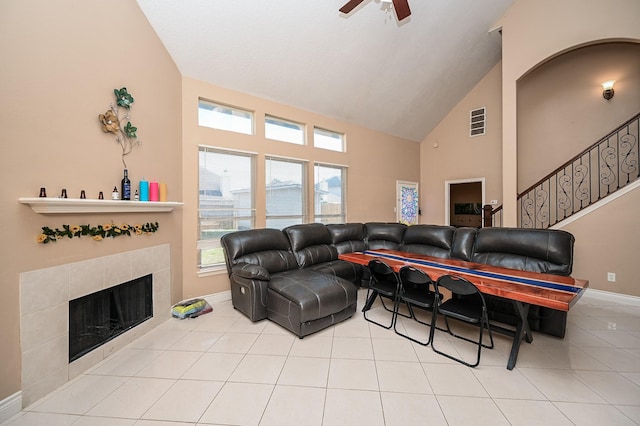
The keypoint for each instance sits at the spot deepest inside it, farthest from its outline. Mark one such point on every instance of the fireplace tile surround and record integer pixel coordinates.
(44, 313)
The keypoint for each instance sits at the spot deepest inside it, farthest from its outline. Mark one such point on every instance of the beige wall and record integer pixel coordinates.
(60, 63)
(578, 23)
(458, 156)
(561, 111)
(570, 83)
(533, 31)
(607, 241)
(605, 238)
(374, 160)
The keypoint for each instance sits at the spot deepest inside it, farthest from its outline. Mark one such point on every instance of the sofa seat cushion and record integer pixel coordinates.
(314, 294)
(340, 268)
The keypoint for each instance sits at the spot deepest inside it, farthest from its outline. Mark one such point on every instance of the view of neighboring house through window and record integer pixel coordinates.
(226, 200)
(285, 192)
(329, 193)
(283, 130)
(327, 139)
(224, 117)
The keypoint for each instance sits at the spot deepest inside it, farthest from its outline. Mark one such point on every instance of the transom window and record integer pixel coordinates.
(329, 193)
(285, 192)
(224, 117)
(226, 200)
(327, 139)
(283, 130)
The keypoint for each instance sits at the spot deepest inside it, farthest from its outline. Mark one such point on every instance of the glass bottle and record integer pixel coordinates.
(115, 195)
(126, 186)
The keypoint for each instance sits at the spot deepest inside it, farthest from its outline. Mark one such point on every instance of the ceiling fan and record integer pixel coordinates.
(401, 7)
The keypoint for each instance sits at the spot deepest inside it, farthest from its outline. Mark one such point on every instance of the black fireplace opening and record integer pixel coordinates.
(96, 318)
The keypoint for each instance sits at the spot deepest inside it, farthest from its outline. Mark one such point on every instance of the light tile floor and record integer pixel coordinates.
(221, 369)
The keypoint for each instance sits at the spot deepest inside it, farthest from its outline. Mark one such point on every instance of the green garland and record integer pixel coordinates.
(98, 233)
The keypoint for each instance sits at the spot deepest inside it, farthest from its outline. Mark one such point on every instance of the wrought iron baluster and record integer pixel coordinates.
(572, 186)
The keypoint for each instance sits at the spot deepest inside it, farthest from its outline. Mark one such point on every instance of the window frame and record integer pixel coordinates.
(304, 215)
(214, 243)
(317, 131)
(251, 114)
(342, 216)
(302, 126)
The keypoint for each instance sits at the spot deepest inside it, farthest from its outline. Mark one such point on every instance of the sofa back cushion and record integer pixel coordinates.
(536, 250)
(347, 237)
(463, 243)
(268, 248)
(430, 240)
(384, 235)
(311, 244)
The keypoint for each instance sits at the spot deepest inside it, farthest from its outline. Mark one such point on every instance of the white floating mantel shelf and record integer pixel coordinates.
(77, 205)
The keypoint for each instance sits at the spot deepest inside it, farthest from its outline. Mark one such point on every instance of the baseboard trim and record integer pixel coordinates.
(223, 296)
(10, 406)
(608, 296)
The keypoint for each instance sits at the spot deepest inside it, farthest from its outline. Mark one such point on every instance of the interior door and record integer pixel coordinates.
(407, 209)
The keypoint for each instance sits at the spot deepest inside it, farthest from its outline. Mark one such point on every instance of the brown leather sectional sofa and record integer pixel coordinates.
(294, 277)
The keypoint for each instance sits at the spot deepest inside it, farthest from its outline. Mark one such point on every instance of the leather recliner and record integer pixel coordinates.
(268, 282)
(536, 250)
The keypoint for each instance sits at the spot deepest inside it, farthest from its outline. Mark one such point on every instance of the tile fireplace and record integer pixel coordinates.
(99, 317)
(44, 313)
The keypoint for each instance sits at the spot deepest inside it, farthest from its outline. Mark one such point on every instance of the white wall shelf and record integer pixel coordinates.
(78, 205)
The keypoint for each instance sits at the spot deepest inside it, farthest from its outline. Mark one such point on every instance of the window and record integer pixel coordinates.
(283, 130)
(224, 117)
(226, 200)
(285, 192)
(327, 139)
(329, 193)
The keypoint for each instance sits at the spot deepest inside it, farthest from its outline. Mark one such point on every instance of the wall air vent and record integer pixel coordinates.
(477, 122)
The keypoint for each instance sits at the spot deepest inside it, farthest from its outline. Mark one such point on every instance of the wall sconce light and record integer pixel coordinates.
(607, 89)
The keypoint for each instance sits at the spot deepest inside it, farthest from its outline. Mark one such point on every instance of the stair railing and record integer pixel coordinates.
(491, 217)
(606, 166)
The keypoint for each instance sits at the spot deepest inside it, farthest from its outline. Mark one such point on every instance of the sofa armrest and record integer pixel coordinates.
(251, 271)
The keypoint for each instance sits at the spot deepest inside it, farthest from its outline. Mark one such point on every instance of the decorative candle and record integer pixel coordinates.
(163, 191)
(144, 190)
(153, 191)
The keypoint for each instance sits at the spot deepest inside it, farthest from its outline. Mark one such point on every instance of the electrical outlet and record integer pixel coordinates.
(611, 277)
(494, 202)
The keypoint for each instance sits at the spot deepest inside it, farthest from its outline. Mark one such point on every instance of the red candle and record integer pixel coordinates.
(153, 191)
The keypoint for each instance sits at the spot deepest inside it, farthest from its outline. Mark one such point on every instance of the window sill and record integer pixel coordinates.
(215, 270)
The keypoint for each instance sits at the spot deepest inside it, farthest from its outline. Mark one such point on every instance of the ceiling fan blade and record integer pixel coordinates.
(350, 5)
(402, 9)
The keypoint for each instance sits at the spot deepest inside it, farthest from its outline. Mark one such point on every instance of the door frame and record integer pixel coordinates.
(447, 194)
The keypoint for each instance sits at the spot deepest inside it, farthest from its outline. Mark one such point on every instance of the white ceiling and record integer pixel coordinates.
(364, 67)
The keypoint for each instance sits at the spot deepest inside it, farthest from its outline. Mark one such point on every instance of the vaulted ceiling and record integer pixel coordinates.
(367, 68)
